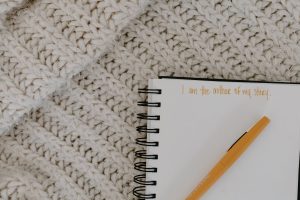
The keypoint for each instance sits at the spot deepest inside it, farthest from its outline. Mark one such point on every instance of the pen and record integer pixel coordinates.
(233, 153)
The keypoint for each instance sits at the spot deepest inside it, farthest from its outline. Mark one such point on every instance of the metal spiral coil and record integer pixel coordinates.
(141, 180)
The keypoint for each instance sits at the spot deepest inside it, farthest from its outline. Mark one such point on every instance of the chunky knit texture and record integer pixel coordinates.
(7, 5)
(70, 70)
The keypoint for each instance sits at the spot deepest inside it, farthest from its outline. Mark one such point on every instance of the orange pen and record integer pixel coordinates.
(233, 153)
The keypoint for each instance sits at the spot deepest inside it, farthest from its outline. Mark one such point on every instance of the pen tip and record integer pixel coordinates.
(265, 119)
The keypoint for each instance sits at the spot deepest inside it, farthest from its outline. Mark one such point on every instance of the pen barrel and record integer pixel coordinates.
(207, 182)
(241, 146)
(228, 159)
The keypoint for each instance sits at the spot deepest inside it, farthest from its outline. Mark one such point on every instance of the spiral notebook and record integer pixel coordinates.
(191, 123)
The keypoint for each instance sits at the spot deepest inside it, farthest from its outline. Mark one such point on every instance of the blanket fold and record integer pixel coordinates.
(48, 43)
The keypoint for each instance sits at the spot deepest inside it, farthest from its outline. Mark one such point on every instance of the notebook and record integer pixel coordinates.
(191, 123)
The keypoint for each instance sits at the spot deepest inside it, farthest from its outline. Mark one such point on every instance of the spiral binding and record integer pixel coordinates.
(140, 191)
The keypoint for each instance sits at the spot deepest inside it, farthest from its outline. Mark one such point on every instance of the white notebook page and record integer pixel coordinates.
(200, 120)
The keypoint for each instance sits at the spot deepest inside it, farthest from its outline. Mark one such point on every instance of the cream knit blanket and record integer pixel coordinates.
(70, 70)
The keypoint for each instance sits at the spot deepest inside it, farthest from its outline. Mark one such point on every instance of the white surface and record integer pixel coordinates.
(195, 132)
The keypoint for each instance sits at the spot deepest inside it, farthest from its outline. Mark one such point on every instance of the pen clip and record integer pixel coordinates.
(237, 141)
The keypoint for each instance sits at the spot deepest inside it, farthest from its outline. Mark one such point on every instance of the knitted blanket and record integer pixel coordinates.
(70, 71)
